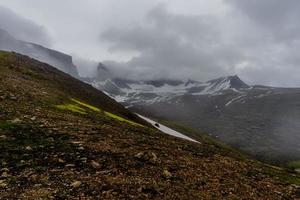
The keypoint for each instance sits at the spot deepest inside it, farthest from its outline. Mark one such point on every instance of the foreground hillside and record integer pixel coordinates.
(63, 139)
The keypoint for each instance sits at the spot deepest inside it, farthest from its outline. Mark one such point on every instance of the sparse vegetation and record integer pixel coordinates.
(78, 109)
(8, 125)
(121, 119)
(3, 54)
(48, 152)
(72, 107)
(294, 164)
(86, 105)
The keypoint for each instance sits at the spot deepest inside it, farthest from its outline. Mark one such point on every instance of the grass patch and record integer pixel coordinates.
(86, 105)
(121, 119)
(283, 176)
(78, 108)
(72, 107)
(9, 125)
(294, 164)
(3, 54)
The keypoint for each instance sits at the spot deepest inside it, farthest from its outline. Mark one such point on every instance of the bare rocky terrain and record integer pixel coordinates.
(62, 139)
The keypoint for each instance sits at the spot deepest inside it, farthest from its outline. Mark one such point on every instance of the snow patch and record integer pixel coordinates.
(234, 99)
(167, 130)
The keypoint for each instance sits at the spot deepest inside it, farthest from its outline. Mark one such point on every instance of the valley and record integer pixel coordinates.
(59, 143)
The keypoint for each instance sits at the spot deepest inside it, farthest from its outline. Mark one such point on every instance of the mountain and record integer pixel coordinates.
(262, 121)
(59, 60)
(61, 138)
(148, 92)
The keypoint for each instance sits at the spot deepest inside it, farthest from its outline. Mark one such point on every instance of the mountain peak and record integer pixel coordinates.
(231, 82)
(237, 83)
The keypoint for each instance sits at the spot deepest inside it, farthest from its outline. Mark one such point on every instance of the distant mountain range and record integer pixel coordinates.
(148, 92)
(260, 120)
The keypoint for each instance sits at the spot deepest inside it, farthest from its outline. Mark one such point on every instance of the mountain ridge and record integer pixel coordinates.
(129, 90)
(58, 59)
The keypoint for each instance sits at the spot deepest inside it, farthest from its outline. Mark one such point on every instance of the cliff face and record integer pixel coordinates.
(55, 58)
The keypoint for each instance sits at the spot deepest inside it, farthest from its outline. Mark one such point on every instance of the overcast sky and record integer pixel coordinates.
(259, 40)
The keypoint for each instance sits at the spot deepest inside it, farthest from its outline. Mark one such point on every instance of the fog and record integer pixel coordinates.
(139, 39)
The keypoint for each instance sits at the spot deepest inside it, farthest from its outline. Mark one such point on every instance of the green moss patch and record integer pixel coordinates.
(80, 107)
(3, 54)
(294, 164)
(10, 125)
(121, 119)
(86, 105)
(72, 107)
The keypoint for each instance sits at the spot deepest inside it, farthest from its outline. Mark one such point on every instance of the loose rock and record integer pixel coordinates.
(76, 184)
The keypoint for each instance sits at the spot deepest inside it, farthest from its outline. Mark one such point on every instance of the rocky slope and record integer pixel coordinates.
(63, 139)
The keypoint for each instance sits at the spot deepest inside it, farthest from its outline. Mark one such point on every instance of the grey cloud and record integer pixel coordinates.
(199, 39)
(173, 46)
(280, 18)
(23, 29)
(257, 40)
(271, 40)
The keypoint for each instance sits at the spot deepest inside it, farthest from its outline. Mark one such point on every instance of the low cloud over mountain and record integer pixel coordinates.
(159, 39)
(23, 29)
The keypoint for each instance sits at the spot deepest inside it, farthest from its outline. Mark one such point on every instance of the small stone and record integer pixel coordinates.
(5, 169)
(5, 175)
(167, 174)
(61, 160)
(28, 148)
(70, 165)
(139, 155)
(76, 184)
(296, 186)
(33, 118)
(16, 120)
(3, 137)
(14, 98)
(2, 184)
(154, 157)
(95, 164)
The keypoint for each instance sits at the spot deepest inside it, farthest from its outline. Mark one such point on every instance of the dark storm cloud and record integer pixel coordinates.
(257, 40)
(272, 40)
(21, 28)
(279, 18)
(173, 46)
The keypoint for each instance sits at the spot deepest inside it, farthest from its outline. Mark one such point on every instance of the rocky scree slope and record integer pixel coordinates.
(62, 139)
